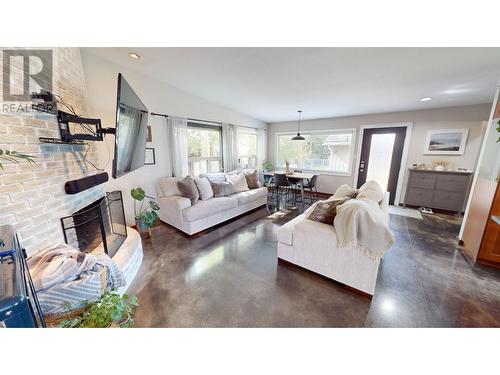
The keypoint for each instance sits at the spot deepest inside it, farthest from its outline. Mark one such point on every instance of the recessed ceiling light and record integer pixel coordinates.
(426, 99)
(134, 56)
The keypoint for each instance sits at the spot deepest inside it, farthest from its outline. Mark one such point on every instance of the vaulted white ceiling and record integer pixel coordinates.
(271, 84)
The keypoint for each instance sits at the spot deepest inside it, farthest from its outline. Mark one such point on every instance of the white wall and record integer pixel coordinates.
(470, 117)
(101, 79)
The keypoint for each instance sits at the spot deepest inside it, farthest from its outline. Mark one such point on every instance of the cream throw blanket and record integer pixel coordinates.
(362, 223)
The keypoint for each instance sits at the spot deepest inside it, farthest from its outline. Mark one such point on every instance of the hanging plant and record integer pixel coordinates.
(14, 157)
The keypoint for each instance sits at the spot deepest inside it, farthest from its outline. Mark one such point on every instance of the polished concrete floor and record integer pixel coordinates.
(229, 277)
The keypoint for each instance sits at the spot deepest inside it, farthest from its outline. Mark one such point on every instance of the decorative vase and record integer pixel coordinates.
(440, 168)
(141, 227)
(287, 167)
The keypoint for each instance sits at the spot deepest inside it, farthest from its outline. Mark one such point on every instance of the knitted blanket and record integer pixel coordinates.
(362, 223)
(64, 278)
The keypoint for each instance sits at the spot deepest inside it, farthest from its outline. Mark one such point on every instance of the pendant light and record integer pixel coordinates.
(298, 137)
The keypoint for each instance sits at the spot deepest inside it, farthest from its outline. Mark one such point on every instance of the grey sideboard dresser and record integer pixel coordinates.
(446, 190)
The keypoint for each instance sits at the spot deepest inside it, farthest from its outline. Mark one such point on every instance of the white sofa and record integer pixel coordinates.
(313, 246)
(178, 211)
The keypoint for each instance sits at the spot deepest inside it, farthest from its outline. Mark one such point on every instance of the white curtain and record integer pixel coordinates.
(229, 147)
(177, 126)
(261, 146)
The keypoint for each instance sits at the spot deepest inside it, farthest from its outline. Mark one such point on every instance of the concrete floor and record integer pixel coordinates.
(229, 277)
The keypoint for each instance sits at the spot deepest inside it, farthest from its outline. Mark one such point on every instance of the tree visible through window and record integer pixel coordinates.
(204, 149)
(325, 151)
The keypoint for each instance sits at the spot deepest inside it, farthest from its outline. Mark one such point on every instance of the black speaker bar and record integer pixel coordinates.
(85, 183)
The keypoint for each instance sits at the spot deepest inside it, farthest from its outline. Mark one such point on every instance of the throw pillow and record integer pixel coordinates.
(188, 189)
(252, 180)
(221, 188)
(344, 191)
(204, 188)
(239, 182)
(371, 190)
(235, 171)
(325, 211)
(214, 177)
(168, 186)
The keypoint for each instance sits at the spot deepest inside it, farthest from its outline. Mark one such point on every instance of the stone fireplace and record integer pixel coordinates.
(101, 223)
(32, 196)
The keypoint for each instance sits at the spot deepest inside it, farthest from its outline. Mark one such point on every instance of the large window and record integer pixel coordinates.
(325, 151)
(247, 148)
(204, 148)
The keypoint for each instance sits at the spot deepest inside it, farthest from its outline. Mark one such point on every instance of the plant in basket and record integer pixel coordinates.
(110, 310)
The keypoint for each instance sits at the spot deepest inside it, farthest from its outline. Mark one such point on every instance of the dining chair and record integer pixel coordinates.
(281, 185)
(311, 186)
(294, 185)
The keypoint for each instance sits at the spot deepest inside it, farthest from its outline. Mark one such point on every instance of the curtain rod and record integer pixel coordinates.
(189, 119)
(194, 119)
(158, 114)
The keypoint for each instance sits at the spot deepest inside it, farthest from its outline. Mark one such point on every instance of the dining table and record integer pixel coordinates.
(294, 176)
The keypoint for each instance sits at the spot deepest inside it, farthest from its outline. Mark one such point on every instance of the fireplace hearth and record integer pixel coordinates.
(101, 223)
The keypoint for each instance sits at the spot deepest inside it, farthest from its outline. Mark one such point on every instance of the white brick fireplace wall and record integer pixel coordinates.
(32, 196)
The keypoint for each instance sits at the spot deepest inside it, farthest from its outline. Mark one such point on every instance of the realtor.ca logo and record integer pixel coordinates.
(24, 72)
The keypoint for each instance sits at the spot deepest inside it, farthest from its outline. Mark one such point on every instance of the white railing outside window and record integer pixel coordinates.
(247, 148)
(204, 149)
(329, 151)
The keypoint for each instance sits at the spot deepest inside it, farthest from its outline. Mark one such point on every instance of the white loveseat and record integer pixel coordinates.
(178, 211)
(313, 246)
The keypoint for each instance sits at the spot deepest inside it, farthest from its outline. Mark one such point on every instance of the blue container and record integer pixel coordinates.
(19, 306)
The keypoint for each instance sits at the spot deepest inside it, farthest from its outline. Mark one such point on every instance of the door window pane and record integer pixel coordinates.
(379, 162)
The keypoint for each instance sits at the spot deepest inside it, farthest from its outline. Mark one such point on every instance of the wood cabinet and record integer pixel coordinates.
(489, 252)
(446, 190)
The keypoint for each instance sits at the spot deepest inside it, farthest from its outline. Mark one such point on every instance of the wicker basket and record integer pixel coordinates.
(53, 321)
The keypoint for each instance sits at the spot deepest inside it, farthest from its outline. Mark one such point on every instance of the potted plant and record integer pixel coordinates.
(110, 310)
(145, 216)
(267, 166)
(13, 157)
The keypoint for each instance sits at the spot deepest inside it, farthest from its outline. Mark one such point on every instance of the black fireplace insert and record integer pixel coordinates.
(101, 223)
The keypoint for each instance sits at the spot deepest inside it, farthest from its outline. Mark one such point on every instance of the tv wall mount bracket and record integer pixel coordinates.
(93, 127)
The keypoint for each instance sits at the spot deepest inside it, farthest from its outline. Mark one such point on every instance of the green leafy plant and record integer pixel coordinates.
(14, 157)
(267, 165)
(111, 310)
(146, 213)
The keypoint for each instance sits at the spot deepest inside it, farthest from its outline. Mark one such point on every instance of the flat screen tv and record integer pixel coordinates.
(131, 130)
